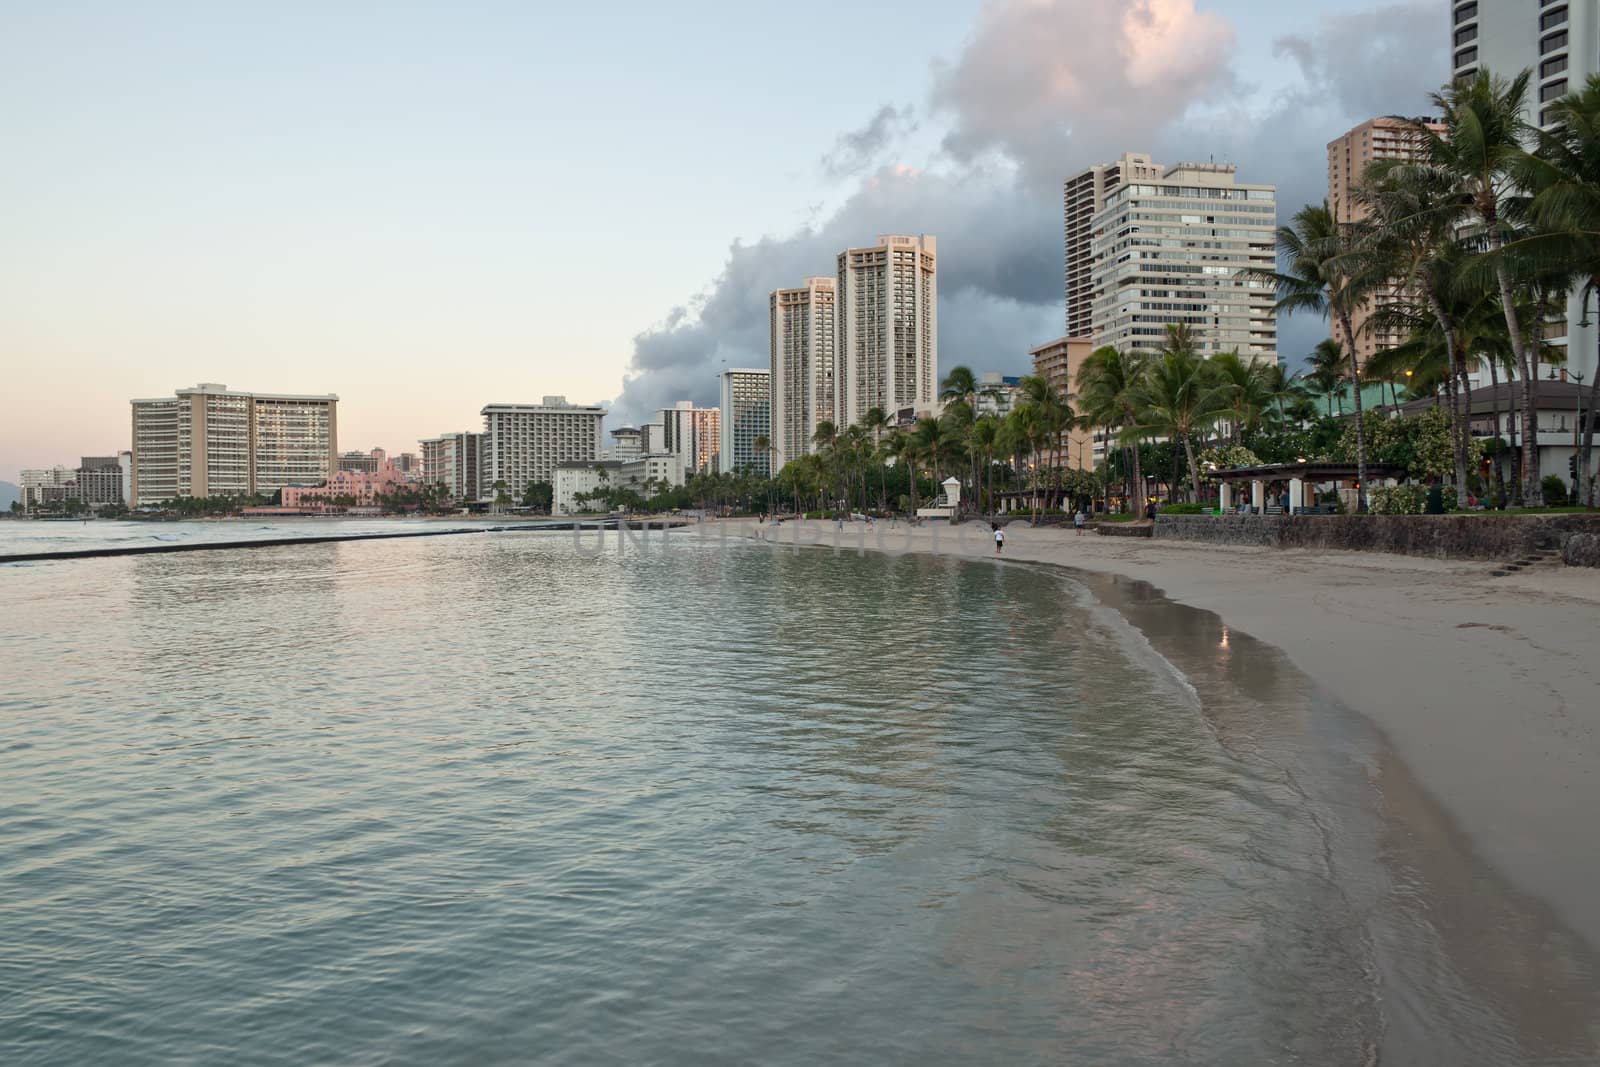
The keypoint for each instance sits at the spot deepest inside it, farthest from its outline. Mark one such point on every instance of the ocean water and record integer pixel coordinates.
(518, 799)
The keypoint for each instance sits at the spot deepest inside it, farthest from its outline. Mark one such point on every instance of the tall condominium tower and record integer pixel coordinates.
(1555, 39)
(1348, 159)
(455, 461)
(693, 435)
(212, 441)
(746, 399)
(888, 327)
(803, 342)
(1168, 250)
(1084, 197)
(522, 443)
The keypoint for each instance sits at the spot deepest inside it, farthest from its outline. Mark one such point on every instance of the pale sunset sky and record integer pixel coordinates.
(426, 207)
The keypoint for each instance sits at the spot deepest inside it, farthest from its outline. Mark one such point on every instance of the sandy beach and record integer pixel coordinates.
(1484, 686)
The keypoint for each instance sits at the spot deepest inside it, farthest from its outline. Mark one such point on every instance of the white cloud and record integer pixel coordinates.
(1044, 87)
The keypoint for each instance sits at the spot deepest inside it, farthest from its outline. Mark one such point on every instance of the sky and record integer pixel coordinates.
(427, 207)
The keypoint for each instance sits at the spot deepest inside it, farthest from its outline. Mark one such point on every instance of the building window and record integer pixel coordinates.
(1466, 11)
(1551, 67)
(1553, 43)
(1553, 18)
(1466, 33)
(1467, 55)
(1552, 91)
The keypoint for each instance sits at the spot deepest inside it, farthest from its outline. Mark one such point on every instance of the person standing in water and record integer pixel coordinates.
(999, 540)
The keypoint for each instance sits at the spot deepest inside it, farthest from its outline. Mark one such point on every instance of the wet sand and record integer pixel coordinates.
(1485, 687)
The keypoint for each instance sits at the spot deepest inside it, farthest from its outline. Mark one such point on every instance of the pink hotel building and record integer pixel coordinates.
(362, 487)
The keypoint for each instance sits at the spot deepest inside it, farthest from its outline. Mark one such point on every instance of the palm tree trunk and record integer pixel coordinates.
(1499, 470)
(1194, 468)
(1361, 429)
(1532, 494)
(1585, 454)
(1136, 501)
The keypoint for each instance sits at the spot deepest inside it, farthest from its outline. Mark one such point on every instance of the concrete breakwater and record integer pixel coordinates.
(123, 549)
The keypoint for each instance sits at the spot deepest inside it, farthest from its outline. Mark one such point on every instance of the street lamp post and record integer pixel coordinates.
(1579, 468)
(1577, 440)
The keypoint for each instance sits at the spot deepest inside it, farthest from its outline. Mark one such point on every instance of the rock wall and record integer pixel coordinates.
(1476, 536)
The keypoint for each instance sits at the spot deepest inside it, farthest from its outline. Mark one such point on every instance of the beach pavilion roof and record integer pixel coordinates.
(1313, 470)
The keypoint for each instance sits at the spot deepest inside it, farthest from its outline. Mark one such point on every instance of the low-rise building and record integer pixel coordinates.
(998, 394)
(49, 487)
(345, 489)
(576, 482)
(1058, 363)
(626, 444)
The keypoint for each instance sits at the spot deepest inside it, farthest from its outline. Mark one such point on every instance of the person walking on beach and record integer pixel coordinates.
(999, 540)
(1078, 520)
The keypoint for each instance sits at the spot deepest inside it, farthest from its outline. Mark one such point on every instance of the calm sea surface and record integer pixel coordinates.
(496, 799)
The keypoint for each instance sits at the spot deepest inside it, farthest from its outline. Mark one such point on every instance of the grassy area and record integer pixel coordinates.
(1120, 516)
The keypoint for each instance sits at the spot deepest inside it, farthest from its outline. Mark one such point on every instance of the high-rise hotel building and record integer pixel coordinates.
(1348, 159)
(1083, 197)
(746, 400)
(1168, 250)
(1557, 41)
(888, 347)
(455, 461)
(803, 340)
(522, 443)
(692, 435)
(212, 441)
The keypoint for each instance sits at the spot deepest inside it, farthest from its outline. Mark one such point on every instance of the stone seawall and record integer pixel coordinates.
(1477, 536)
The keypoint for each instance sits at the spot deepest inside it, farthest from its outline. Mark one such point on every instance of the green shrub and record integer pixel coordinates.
(1186, 509)
(1555, 490)
(1409, 499)
(1435, 504)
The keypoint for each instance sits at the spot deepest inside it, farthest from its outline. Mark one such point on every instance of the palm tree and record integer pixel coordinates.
(1056, 417)
(1325, 370)
(1325, 275)
(1481, 153)
(1278, 387)
(1106, 383)
(984, 438)
(876, 421)
(903, 447)
(960, 384)
(824, 438)
(1564, 177)
(1244, 383)
(1179, 397)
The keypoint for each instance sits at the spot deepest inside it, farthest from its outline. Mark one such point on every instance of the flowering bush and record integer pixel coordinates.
(1226, 458)
(1407, 499)
(1421, 443)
